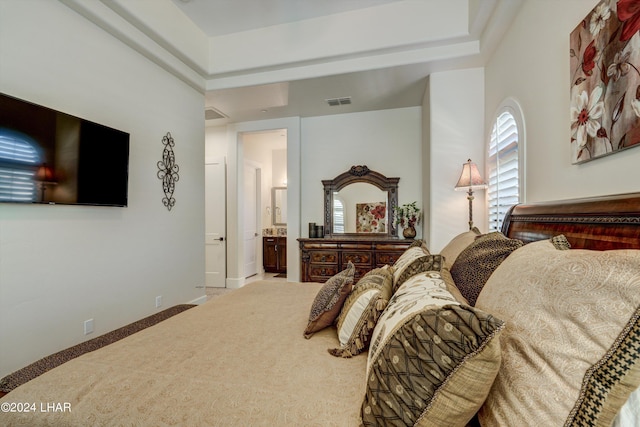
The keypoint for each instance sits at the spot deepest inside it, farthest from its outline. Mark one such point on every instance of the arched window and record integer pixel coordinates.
(19, 161)
(505, 169)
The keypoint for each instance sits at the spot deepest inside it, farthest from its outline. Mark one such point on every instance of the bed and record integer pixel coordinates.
(242, 358)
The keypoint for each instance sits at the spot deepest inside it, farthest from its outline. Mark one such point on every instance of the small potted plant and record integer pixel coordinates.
(407, 216)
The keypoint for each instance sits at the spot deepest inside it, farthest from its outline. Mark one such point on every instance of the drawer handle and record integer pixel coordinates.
(356, 259)
(323, 259)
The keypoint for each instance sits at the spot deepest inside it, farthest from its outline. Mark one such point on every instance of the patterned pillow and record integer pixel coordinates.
(361, 311)
(419, 243)
(451, 286)
(329, 299)
(431, 360)
(475, 264)
(560, 242)
(572, 339)
(451, 251)
(413, 261)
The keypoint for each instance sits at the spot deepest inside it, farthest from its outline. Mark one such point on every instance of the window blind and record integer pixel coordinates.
(338, 216)
(502, 163)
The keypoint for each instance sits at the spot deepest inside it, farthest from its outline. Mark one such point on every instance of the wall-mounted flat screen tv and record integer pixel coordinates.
(47, 156)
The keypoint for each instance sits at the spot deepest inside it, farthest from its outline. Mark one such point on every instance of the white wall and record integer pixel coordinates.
(215, 141)
(259, 153)
(279, 167)
(62, 265)
(387, 141)
(454, 132)
(532, 66)
(426, 162)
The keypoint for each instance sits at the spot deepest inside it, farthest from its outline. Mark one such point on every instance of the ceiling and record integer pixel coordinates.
(218, 17)
(374, 89)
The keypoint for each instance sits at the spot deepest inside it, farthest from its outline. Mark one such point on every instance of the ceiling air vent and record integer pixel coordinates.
(339, 101)
(212, 114)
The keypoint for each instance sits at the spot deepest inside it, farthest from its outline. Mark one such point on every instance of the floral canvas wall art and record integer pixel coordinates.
(605, 80)
(371, 217)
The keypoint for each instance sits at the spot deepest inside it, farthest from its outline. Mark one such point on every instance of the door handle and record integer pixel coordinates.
(221, 239)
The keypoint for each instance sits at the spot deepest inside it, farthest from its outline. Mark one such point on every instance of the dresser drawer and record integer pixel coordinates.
(387, 258)
(357, 258)
(324, 257)
(321, 273)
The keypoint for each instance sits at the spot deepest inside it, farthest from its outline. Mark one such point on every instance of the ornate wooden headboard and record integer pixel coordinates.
(600, 223)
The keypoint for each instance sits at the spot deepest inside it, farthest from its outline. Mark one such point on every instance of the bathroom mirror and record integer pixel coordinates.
(360, 202)
(279, 205)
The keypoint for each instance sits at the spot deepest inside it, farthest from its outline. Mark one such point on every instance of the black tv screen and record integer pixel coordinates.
(47, 156)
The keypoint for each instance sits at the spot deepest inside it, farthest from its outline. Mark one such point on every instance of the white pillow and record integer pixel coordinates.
(629, 415)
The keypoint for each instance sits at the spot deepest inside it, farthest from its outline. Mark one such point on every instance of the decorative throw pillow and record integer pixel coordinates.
(475, 264)
(451, 286)
(361, 311)
(560, 242)
(328, 302)
(451, 251)
(630, 412)
(413, 261)
(572, 339)
(419, 243)
(431, 360)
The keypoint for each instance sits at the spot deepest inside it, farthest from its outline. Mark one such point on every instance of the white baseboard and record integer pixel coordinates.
(199, 300)
(235, 283)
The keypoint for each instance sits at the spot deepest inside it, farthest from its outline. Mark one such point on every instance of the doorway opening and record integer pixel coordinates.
(265, 168)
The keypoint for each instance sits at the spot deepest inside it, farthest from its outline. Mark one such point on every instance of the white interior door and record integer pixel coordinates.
(250, 219)
(215, 223)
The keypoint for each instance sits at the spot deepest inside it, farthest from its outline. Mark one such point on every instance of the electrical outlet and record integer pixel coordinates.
(158, 301)
(88, 326)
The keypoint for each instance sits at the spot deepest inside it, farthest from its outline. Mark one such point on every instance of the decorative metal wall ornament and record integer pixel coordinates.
(168, 172)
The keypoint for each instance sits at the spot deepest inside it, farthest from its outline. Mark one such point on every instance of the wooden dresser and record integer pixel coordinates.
(322, 258)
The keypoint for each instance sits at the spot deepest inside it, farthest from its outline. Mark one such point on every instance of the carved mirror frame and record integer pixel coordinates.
(363, 174)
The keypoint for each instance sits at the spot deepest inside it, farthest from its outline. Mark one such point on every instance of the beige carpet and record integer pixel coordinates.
(45, 364)
(213, 292)
(216, 292)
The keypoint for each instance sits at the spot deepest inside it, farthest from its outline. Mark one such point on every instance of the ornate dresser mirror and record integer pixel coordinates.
(358, 227)
(360, 202)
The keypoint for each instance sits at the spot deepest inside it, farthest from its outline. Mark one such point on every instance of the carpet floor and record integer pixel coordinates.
(45, 364)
